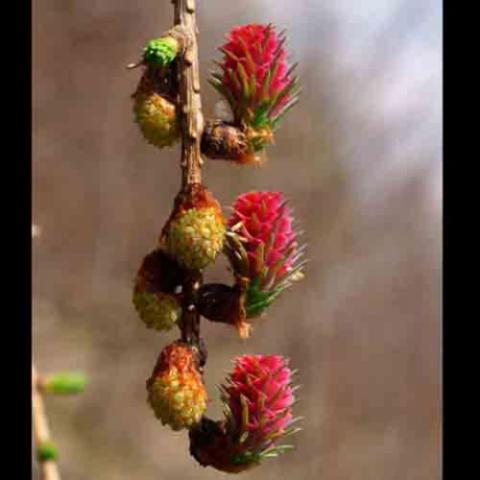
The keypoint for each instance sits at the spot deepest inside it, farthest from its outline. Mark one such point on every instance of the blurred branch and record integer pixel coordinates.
(189, 89)
(45, 449)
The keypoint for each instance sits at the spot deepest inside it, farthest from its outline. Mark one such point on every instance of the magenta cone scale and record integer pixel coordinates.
(267, 244)
(256, 80)
(258, 397)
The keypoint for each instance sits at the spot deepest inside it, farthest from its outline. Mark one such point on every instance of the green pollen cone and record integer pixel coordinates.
(161, 51)
(65, 383)
(47, 451)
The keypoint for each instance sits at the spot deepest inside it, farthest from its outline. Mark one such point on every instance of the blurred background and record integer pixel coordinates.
(360, 160)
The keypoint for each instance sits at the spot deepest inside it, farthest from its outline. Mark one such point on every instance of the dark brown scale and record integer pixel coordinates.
(157, 80)
(222, 140)
(211, 444)
(220, 303)
(202, 354)
(159, 273)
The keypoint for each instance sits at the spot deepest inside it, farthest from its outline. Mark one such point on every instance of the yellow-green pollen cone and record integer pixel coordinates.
(157, 118)
(175, 390)
(195, 237)
(179, 406)
(157, 310)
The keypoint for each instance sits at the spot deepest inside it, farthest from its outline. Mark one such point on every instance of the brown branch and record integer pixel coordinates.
(41, 431)
(191, 161)
(189, 92)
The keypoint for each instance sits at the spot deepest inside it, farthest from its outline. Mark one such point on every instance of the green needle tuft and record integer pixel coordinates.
(47, 451)
(65, 383)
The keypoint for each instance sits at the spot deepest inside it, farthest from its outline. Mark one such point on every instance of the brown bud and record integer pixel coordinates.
(212, 446)
(224, 141)
(159, 273)
(221, 303)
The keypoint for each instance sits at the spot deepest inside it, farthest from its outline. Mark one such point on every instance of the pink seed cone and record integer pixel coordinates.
(267, 222)
(258, 399)
(255, 77)
(264, 382)
(255, 47)
(259, 396)
(262, 249)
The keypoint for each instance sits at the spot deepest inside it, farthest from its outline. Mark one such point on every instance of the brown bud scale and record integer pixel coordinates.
(221, 140)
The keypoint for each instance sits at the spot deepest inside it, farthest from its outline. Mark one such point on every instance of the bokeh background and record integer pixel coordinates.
(359, 159)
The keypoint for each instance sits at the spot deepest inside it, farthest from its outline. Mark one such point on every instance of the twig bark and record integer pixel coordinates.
(191, 160)
(189, 90)
(41, 431)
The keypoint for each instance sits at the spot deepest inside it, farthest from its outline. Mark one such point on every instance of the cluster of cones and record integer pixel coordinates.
(258, 239)
(253, 78)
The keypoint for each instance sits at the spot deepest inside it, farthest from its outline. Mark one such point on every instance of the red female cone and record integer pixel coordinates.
(257, 82)
(258, 399)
